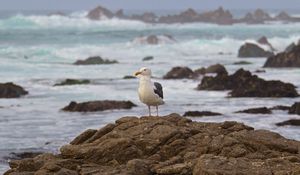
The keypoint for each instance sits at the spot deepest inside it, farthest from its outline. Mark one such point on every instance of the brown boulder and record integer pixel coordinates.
(170, 145)
(94, 106)
(262, 110)
(200, 113)
(10, 90)
(180, 73)
(216, 68)
(295, 109)
(249, 50)
(99, 13)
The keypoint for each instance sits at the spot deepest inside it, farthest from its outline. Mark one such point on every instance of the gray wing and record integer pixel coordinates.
(158, 89)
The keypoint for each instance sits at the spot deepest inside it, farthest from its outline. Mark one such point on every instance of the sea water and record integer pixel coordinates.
(37, 51)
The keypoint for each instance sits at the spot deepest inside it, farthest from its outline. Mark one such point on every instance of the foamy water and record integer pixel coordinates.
(38, 51)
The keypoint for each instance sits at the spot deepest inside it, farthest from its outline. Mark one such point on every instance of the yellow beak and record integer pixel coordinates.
(137, 73)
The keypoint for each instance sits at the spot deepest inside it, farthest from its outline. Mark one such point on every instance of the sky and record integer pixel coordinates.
(146, 4)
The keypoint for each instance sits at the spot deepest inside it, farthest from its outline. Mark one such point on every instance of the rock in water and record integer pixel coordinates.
(99, 13)
(291, 122)
(154, 39)
(93, 106)
(95, 60)
(169, 145)
(295, 108)
(264, 41)
(216, 68)
(200, 113)
(180, 73)
(148, 58)
(73, 82)
(262, 110)
(249, 50)
(10, 90)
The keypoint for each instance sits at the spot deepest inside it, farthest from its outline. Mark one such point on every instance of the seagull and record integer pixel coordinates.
(150, 93)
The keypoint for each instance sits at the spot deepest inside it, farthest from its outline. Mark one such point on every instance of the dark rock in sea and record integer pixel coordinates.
(292, 122)
(295, 109)
(280, 107)
(10, 90)
(148, 58)
(99, 13)
(155, 39)
(200, 113)
(262, 110)
(260, 71)
(147, 17)
(169, 145)
(244, 84)
(242, 63)
(129, 77)
(290, 47)
(291, 58)
(264, 41)
(180, 73)
(95, 60)
(73, 82)
(216, 68)
(249, 50)
(283, 16)
(258, 17)
(120, 14)
(93, 106)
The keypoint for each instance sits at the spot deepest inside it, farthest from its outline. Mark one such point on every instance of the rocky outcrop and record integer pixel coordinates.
(200, 113)
(68, 82)
(257, 17)
(180, 73)
(216, 68)
(264, 41)
(250, 50)
(291, 122)
(295, 108)
(288, 58)
(169, 145)
(94, 106)
(99, 13)
(262, 110)
(95, 60)
(154, 39)
(10, 90)
(244, 84)
(280, 107)
(147, 17)
(148, 58)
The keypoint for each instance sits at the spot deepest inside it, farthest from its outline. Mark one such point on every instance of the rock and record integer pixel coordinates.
(280, 107)
(285, 59)
(290, 47)
(242, 63)
(258, 17)
(283, 16)
(93, 106)
(180, 73)
(244, 84)
(147, 17)
(216, 68)
(120, 14)
(262, 110)
(99, 13)
(73, 82)
(95, 60)
(22, 155)
(200, 113)
(219, 16)
(249, 50)
(264, 41)
(154, 39)
(129, 77)
(10, 90)
(170, 145)
(148, 58)
(260, 71)
(295, 109)
(292, 122)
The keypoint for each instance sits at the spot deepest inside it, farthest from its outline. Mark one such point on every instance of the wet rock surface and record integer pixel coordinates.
(295, 108)
(200, 113)
(180, 73)
(262, 110)
(11, 90)
(169, 145)
(244, 84)
(148, 58)
(93, 106)
(216, 68)
(73, 82)
(250, 50)
(291, 122)
(95, 60)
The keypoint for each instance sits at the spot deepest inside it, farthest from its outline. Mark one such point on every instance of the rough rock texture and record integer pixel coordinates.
(169, 145)
(216, 68)
(262, 110)
(289, 58)
(280, 107)
(292, 122)
(93, 106)
(180, 73)
(249, 50)
(10, 90)
(200, 113)
(99, 13)
(72, 82)
(95, 60)
(295, 109)
(244, 84)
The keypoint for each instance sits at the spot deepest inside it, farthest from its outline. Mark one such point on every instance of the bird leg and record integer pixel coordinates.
(149, 111)
(157, 111)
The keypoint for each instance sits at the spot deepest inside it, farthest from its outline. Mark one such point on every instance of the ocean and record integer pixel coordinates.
(37, 51)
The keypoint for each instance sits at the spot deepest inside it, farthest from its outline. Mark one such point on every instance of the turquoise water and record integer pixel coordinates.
(37, 51)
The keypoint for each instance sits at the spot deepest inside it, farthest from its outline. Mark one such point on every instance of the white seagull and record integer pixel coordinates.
(150, 93)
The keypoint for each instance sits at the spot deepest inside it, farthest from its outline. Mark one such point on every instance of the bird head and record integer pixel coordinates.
(144, 72)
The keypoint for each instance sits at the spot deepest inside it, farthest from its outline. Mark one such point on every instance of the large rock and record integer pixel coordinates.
(249, 50)
(10, 90)
(169, 145)
(93, 106)
(154, 39)
(216, 68)
(95, 60)
(258, 17)
(219, 16)
(99, 13)
(180, 73)
(295, 108)
(262, 110)
(244, 84)
(289, 58)
(291, 122)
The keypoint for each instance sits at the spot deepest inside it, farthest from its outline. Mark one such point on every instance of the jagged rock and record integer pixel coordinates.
(262, 110)
(73, 82)
(148, 58)
(95, 60)
(258, 17)
(285, 59)
(283, 16)
(93, 106)
(169, 145)
(200, 113)
(99, 13)
(219, 16)
(180, 73)
(147, 17)
(154, 39)
(10, 90)
(120, 14)
(244, 84)
(290, 47)
(295, 109)
(252, 50)
(216, 68)
(264, 41)
(292, 122)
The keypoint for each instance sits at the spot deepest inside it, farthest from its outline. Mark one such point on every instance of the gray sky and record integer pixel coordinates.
(146, 4)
